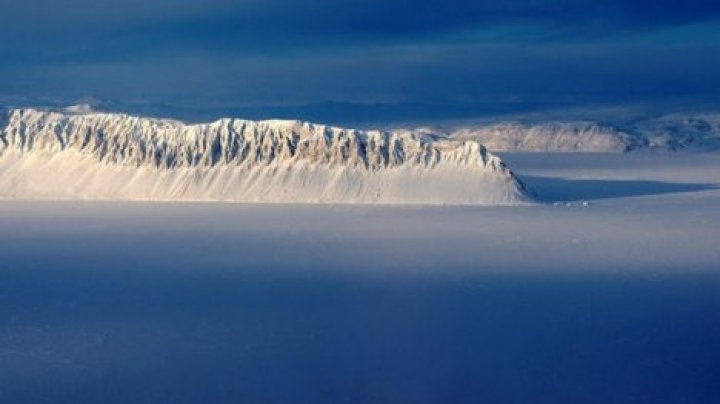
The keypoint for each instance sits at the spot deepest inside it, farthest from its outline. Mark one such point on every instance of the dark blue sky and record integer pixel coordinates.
(361, 60)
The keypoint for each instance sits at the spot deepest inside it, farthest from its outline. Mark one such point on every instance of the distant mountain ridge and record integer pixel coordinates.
(667, 132)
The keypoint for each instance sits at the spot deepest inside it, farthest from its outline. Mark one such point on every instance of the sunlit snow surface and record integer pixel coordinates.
(608, 293)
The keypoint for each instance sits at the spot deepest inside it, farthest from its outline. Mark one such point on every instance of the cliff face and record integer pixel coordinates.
(116, 156)
(128, 140)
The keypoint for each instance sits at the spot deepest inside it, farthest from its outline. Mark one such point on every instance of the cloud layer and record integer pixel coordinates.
(362, 60)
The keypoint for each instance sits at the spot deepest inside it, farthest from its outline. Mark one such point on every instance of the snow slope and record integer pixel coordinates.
(80, 154)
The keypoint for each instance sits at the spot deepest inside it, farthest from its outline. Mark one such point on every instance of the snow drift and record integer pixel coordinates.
(80, 154)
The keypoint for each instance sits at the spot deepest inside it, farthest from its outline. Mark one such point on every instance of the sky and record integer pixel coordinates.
(361, 60)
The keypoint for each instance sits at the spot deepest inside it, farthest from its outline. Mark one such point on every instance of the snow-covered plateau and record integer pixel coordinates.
(80, 154)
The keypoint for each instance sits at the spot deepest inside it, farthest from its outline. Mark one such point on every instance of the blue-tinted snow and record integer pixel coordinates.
(615, 301)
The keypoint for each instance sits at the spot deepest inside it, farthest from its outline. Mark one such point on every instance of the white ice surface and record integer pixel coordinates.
(615, 301)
